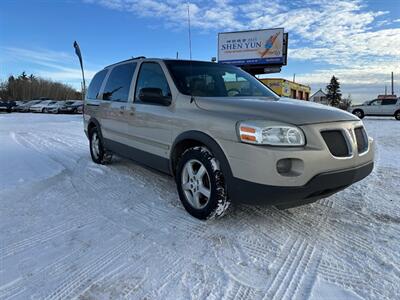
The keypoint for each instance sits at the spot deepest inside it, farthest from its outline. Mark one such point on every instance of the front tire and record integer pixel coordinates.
(359, 113)
(97, 151)
(201, 184)
(397, 115)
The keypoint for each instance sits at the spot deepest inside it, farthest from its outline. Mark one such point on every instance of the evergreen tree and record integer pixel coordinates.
(23, 76)
(333, 93)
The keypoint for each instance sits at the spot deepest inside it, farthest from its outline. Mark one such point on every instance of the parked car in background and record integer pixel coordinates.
(24, 107)
(18, 104)
(223, 135)
(7, 105)
(42, 106)
(80, 109)
(378, 107)
(55, 107)
(72, 107)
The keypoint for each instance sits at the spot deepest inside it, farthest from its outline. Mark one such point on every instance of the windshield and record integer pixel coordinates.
(204, 79)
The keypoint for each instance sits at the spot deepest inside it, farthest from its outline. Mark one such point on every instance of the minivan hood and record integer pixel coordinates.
(297, 112)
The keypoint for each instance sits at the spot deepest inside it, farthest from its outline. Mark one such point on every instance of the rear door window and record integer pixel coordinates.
(152, 76)
(95, 85)
(119, 82)
(389, 101)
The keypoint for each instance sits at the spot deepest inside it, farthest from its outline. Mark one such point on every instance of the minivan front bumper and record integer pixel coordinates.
(320, 186)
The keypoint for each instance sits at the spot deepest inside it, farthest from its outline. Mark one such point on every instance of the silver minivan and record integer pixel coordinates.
(223, 135)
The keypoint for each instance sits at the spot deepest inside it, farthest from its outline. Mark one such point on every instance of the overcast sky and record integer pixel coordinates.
(358, 41)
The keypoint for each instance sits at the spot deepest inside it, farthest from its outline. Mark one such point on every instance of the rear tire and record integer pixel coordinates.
(201, 184)
(97, 151)
(397, 115)
(359, 113)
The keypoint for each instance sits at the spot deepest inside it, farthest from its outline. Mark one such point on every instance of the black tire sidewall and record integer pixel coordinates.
(217, 185)
(362, 113)
(100, 159)
(397, 115)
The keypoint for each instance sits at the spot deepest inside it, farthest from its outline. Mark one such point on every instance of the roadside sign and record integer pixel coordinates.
(256, 47)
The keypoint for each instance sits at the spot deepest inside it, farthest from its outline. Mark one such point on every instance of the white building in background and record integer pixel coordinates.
(319, 97)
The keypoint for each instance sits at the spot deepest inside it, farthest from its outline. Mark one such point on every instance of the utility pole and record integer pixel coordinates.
(190, 34)
(294, 77)
(392, 84)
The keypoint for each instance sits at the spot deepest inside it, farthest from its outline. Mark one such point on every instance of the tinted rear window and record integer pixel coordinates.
(95, 85)
(389, 101)
(119, 82)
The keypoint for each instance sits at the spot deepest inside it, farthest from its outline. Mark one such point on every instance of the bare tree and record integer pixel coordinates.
(24, 87)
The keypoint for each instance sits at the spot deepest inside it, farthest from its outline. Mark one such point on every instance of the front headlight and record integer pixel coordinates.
(270, 133)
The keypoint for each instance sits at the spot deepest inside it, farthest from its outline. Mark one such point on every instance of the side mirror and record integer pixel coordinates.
(154, 95)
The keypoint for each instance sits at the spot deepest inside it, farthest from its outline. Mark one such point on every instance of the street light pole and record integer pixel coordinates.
(79, 54)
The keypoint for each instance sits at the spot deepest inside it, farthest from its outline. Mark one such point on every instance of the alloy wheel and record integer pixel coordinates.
(95, 144)
(196, 184)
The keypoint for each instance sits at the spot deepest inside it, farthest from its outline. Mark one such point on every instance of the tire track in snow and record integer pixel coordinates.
(240, 292)
(46, 235)
(54, 269)
(349, 280)
(284, 263)
(175, 269)
(73, 284)
(294, 278)
(142, 211)
(114, 281)
(55, 150)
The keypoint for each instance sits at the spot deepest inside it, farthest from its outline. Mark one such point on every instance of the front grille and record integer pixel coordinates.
(336, 143)
(362, 139)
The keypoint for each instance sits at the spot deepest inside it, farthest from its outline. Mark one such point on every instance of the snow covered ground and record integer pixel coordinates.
(72, 229)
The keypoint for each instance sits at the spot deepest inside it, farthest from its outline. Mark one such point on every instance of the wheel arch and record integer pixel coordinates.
(194, 138)
(93, 122)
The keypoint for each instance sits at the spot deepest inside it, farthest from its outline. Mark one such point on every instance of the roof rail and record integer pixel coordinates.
(126, 60)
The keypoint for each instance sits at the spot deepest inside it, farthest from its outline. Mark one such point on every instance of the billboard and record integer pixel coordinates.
(255, 47)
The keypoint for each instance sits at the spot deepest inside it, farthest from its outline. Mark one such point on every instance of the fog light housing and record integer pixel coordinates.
(290, 167)
(284, 166)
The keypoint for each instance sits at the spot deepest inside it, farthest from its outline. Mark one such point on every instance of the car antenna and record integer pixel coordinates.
(190, 50)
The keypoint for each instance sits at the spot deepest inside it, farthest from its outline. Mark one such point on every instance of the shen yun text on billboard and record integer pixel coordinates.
(255, 47)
